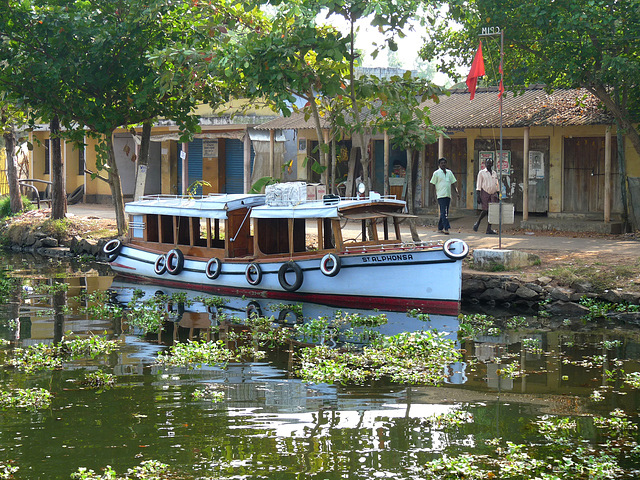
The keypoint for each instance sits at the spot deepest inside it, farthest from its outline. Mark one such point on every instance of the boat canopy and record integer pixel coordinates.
(211, 206)
(322, 209)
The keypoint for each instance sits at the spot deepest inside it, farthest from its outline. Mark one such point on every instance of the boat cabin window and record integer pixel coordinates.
(216, 233)
(182, 224)
(166, 228)
(153, 232)
(273, 235)
(137, 226)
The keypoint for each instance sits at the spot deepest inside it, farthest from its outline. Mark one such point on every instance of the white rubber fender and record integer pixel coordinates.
(213, 268)
(112, 249)
(330, 265)
(160, 266)
(253, 274)
(455, 249)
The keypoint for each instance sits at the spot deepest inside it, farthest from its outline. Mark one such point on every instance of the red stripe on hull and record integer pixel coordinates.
(436, 307)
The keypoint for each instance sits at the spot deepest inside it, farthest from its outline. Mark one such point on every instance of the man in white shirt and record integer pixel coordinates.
(487, 188)
(443, 179)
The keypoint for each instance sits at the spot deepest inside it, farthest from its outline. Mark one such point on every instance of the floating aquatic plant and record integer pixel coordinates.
(414, 358)
(99, 379)
(43, 356)
(209, 392)
(196, 353)
(148, 470)
(29, 398)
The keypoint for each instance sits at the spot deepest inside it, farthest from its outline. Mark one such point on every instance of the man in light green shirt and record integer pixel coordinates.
(443, 179)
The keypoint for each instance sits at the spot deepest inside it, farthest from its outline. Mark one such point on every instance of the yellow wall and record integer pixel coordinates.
(556, 136)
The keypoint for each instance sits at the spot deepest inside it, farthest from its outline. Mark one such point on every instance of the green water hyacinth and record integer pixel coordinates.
(29, 398)
(196, 353)
(413, 358)
(50, 357)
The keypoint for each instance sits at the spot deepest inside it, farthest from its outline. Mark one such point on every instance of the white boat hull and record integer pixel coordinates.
(420, 278)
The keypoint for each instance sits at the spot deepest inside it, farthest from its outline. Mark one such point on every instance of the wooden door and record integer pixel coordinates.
(584, 175)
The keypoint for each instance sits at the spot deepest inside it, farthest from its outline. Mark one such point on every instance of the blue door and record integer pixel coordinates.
(234, 166)
(195, 166)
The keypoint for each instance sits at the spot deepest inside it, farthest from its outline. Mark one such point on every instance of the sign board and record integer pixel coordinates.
(536, 165)
(210, 148)
(508, 213)
(505, 157)
(183, 154)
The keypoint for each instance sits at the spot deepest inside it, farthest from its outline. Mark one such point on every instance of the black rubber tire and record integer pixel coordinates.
(112, 249)
(75, 196)
(282, 276)
(177, 256)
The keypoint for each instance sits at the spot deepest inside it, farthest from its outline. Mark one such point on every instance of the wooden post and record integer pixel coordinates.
(272, 152)
(440, 146)
(607, 175)
(386, 163)
(185, 168)
(247, 162)
(525, 176)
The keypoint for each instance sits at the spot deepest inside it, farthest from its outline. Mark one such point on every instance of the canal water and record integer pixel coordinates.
(518, 399)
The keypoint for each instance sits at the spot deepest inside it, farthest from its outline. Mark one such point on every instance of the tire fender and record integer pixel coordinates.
(282, 276)
(330, 265)
(175, 261)
(112, 249)
(213, 268)
(455, 249)
(160, 266)
(253, 274)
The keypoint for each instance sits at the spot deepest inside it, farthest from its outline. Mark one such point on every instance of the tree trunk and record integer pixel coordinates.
(58, 194)
(143, 161)
(15, 199)
(321, 143)
(410, 196)
(334, 164)
(116, 187)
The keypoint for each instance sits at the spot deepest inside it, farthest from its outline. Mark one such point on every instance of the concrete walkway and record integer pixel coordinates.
(461, 227)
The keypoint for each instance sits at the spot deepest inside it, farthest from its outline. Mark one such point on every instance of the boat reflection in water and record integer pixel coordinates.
(191, 318)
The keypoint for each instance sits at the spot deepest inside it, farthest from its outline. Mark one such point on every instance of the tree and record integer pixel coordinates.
(591, 44)
(405, 117)
(85, 63)
(11, 118)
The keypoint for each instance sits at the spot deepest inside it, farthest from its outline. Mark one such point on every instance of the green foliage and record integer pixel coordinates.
(147, 470)
(209, 392)
(600, 309)
(30, 398)
(472, 326)
(196, 353)
(7, 471)
(5, 206)
(100, 306)
(41, 356)
(414, 358)
(633, 379)
(99, 380)
(261, 183)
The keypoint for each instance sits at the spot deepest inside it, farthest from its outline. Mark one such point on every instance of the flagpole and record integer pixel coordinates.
(489, 32)
(500, 174)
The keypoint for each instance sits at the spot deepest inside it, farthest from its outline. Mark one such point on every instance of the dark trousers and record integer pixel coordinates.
(443, 221)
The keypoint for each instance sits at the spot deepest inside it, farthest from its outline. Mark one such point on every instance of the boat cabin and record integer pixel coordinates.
(221, 225)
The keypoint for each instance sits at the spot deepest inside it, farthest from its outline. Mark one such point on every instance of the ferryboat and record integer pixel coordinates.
(281, 245)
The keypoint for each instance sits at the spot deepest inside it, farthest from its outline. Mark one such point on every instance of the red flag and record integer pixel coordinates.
(477, 70)
(501, 88)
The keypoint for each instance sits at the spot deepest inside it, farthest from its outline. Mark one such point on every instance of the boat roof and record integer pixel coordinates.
(329, 209)
(216, 206)
(210, 206)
